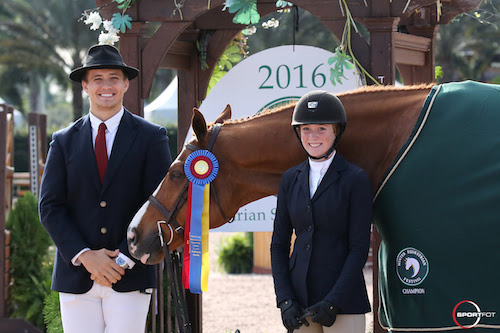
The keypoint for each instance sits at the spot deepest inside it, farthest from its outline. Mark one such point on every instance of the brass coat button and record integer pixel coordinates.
(103, 204)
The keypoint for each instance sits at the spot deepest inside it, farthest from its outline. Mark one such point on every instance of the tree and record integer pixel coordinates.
(40, 42)
(31, 266)
(466, 47)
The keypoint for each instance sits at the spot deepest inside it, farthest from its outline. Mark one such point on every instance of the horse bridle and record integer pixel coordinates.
(170, 215)
(173, 260)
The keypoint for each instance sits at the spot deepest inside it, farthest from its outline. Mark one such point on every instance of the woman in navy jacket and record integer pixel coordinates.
(327, 202)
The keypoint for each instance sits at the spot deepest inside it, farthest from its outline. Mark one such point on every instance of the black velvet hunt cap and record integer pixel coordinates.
(103, 56)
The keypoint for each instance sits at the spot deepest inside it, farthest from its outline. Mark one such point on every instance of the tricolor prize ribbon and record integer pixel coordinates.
(200, 168)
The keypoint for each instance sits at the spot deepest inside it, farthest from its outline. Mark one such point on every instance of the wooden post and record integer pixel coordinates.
(382, 58)
(130, 49)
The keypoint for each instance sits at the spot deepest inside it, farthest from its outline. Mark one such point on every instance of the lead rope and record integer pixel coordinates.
(173, 270)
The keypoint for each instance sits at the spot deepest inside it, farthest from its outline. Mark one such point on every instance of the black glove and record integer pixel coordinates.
(290, 312)
(324, 313)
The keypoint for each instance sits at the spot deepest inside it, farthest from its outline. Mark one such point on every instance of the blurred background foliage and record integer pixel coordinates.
(41, 41)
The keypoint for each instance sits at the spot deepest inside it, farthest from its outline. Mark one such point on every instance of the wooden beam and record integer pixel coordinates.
(179, 55)
(411, 50)
(163, 11)
(154, 51)
(414, 72)
(216, 47)
(380, 8)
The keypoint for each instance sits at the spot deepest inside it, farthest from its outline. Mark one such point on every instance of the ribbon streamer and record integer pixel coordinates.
(201, 168)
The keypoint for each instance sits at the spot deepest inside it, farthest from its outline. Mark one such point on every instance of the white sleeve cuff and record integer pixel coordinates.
(75, 261)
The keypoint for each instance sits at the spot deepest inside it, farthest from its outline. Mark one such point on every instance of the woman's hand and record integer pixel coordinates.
(290, 313)
(323, 313)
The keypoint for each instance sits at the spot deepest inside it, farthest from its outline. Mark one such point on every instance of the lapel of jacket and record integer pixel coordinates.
(303, 178)
(85, 149)
(125, 135)
(331, 175)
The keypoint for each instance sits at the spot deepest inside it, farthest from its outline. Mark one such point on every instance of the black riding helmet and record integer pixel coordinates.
(319, 107)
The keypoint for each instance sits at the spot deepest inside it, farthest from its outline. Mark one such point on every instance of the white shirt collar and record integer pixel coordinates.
(111, 124)
(321, 166)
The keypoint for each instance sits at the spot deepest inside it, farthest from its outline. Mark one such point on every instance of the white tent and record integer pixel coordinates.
(163, 110)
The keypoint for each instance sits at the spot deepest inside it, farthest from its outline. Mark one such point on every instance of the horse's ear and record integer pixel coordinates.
(224, 115)
(199, 125)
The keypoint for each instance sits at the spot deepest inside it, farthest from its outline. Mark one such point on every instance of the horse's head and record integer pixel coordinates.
(164, 214)
(412, 263)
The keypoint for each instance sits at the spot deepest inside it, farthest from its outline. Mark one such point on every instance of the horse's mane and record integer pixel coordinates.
(372, 89)
(387, 89)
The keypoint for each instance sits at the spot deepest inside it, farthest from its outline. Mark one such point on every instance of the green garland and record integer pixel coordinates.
(345, 45)
(246, 13)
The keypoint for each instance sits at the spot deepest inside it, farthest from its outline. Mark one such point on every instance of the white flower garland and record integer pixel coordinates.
(109, 34)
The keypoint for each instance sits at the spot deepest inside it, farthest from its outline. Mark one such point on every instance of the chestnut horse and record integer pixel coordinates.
(254, 152)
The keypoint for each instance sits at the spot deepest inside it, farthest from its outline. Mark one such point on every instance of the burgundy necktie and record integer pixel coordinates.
(101, 153)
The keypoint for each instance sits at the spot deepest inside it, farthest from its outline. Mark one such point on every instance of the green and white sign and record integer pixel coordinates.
(267, 79)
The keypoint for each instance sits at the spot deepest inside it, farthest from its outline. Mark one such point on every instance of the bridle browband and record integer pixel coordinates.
(170, 215)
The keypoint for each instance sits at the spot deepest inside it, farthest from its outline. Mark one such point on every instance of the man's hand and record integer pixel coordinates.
(101, 266)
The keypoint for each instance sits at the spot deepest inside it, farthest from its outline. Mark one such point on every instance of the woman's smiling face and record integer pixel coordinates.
(317, 138)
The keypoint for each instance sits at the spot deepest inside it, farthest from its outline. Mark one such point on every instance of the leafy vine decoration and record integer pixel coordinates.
(178, 8)
(122, 21)
(341, 58)
(245, 13)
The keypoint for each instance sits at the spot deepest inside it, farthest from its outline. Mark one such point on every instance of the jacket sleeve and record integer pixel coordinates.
(280, 247)
(52, 205)
(360, 218)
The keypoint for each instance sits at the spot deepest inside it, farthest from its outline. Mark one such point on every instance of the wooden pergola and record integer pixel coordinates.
(402, 35)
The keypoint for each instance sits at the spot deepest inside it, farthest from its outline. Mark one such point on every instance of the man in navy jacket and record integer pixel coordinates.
(102, 288)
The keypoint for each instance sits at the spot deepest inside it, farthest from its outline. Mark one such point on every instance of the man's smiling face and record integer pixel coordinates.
(106, 88)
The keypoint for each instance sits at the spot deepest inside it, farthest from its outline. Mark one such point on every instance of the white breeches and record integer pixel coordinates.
(102, 309)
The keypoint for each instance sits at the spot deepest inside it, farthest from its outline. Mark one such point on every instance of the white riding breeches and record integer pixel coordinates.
(345, 323)
(103, 310)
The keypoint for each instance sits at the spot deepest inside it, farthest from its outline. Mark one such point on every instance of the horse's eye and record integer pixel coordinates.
(174, 175)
